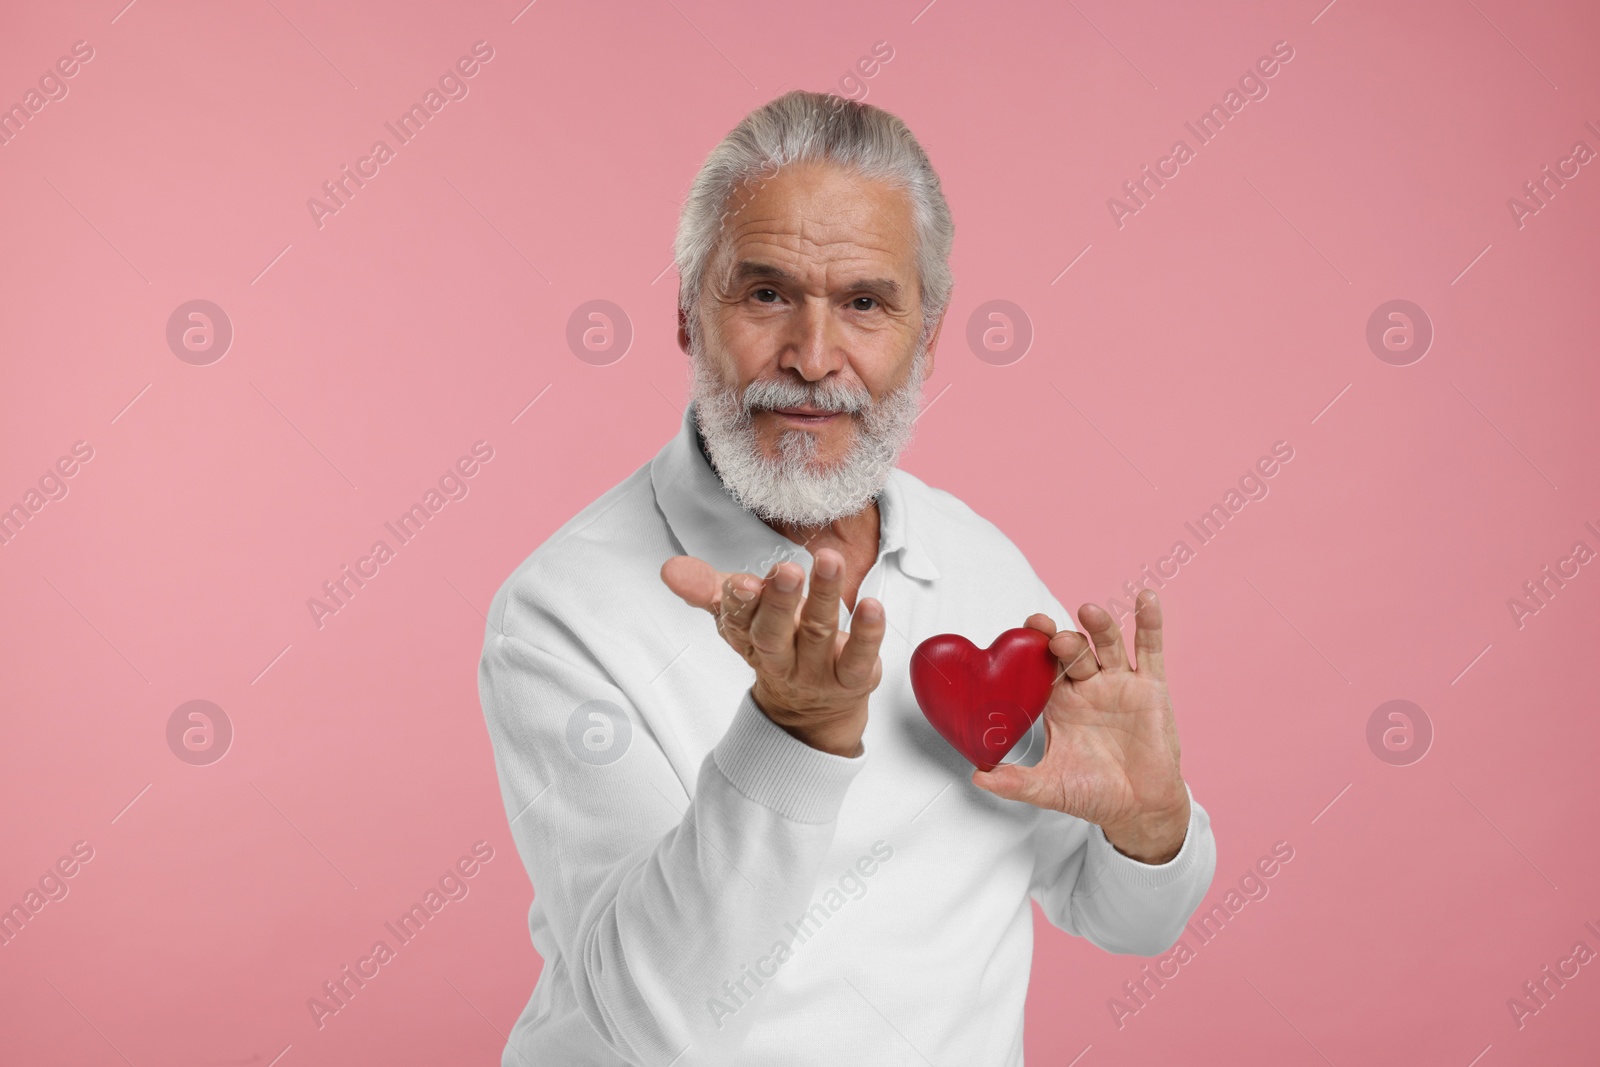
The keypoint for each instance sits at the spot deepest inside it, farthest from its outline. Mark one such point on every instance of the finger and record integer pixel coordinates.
(697, 582)
(1147, 635)
(858, 660)
(1075, 653)
(819, 615)
(1041, 622)
(772, 629)
(1106, 635)
(740, 595)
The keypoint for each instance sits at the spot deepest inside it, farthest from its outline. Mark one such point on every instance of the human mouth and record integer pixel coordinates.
(807, 416)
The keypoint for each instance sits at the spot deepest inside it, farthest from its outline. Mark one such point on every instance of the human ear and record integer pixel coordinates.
(933, 344)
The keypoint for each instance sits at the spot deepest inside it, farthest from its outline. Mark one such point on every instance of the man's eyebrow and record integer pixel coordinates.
(753, 270)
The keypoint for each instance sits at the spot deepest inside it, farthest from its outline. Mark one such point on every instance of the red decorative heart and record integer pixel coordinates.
(983, 700)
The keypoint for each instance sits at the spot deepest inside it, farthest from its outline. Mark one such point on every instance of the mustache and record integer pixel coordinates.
(828, 395)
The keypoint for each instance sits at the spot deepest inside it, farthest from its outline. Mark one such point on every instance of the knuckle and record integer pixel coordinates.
(816, 629)
(764, 645)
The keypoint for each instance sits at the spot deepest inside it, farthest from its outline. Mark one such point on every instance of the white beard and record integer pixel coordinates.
(792, 489)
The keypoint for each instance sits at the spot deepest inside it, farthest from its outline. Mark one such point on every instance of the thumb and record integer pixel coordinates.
(1041, 622)
(695, 581)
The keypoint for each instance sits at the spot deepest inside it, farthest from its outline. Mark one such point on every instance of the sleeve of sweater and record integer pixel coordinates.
(660, 906)
(1086, 887)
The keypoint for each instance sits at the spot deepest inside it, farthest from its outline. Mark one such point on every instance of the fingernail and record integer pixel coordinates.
(744, 594)
(787, 580)
(827, 567)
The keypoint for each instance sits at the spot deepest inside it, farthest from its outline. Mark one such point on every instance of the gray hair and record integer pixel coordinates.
(799, 127)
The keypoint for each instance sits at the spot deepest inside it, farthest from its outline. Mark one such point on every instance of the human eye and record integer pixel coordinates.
(765, 295)
(870, 301)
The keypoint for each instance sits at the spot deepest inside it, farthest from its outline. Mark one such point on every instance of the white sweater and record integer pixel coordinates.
(708, 889)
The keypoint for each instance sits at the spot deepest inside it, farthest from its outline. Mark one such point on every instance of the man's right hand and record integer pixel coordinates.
(811, 679)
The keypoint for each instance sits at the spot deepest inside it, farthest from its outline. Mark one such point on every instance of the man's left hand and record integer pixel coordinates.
(1111, 744)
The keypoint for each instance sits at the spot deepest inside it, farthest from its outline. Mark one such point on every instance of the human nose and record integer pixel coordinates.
(812, 348)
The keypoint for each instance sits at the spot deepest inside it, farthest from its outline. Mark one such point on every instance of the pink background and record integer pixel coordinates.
(370, 353)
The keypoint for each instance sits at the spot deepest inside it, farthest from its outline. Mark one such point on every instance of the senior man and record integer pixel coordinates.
(746, 842)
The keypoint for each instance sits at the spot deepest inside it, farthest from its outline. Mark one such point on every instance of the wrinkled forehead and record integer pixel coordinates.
(821, 223)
